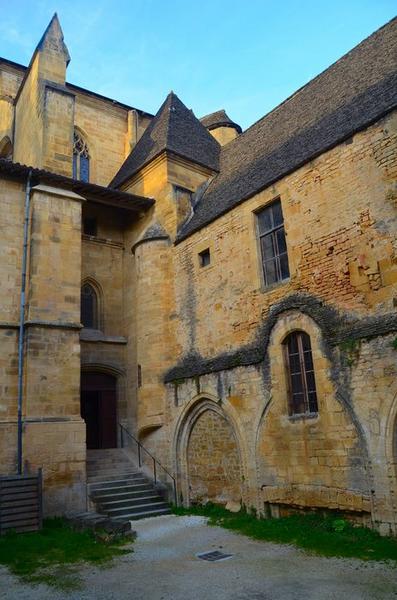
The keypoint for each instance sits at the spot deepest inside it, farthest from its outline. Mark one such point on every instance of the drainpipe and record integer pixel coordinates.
(21, 340)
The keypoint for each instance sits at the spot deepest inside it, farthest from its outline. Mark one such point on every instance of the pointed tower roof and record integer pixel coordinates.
(53, 38)
(52, 41)
(219, 119)
(174, 129)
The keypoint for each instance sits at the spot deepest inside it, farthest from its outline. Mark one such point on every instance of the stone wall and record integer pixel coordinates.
(105, 129)
(213, 461)
(349, 262)
(227, 332)
(53, 432)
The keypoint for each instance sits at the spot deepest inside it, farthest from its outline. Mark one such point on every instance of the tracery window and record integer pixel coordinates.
(81, 158)
(89, 307)
(302, 395)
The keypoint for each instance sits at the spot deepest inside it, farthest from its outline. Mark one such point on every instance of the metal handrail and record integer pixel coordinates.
(155, 462)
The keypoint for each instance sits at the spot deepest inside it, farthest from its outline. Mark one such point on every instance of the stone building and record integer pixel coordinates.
(229, 297)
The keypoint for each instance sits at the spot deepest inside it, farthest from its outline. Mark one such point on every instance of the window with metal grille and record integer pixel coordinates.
(273, 244)
(89, 307)
(81, 158)
(302, 384)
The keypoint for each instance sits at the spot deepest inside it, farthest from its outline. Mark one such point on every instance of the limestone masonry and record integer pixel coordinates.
(229, 297)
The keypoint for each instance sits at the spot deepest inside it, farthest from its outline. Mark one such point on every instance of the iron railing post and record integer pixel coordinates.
(156, 463)
(40, 496)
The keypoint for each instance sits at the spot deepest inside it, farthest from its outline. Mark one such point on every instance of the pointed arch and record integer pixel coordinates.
(6, 148)
(81, 156)
(204, 426)
(91, 313)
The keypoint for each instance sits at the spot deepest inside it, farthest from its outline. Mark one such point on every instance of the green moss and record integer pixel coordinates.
(394, 344)
(53, 554)
(325, 535)
(351, 350)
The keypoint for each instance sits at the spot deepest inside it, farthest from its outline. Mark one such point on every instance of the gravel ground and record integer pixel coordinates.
(164, 566)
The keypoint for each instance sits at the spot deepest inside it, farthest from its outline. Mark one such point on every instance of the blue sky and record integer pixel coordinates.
(244, 56)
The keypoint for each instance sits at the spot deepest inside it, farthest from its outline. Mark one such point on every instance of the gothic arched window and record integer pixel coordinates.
(302, 395)
(81, 158)
(89, 307)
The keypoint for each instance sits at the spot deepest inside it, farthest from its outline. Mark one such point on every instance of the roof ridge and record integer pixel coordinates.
(175, 129)
(349, 96)
(213, 113)
(305, 85)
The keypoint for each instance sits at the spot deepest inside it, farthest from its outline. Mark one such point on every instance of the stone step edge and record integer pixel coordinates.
(104, 503)
(144, 515)
(160, 504)
(120, 481)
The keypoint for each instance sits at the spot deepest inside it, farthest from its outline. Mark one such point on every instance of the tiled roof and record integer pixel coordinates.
(219, 119)
(174, 129)
(90, 191)
(354, 92)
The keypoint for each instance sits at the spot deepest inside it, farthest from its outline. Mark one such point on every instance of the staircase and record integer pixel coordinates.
(118, 489)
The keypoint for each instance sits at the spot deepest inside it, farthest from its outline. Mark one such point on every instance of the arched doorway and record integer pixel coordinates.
(99, 409)
(208, 455)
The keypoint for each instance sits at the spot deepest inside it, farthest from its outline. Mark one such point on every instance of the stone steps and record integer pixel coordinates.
(117, 482)
(112, 504)
(144, 515)
(113, 475)
(118, 490)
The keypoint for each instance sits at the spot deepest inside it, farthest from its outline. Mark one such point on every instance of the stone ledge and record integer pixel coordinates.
(53, 324)
(96, 336)
(102, 241)
(311, 496)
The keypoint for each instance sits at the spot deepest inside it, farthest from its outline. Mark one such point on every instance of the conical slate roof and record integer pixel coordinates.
(219, 119)
(174, 129)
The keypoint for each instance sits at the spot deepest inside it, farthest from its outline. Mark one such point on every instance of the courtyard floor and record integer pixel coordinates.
(164, 566)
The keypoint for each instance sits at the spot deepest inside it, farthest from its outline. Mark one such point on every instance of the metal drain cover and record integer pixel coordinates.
(214, 556)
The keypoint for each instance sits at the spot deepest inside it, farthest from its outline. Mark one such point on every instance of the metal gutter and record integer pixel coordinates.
(21, 339)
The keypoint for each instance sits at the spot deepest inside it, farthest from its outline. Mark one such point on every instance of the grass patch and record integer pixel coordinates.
(324, 535)
(52, 555)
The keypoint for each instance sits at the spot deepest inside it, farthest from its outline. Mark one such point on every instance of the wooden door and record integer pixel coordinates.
(108, 419)
(99, 409)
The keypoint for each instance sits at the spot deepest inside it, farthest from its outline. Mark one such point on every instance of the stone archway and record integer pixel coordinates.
(208, 456)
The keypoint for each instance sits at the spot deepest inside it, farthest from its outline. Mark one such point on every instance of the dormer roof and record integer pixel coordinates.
(174, 129)
(219, 119)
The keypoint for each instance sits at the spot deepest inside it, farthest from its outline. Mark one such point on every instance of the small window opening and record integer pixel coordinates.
(302, 394)
(139, 376)
(205, 257)
(6, 148)
(90, 226)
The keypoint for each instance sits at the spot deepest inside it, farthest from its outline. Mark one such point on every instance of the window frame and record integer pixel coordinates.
(304, 371)
(276, 256)
(204, 258)
(96, 316)
(80, 156)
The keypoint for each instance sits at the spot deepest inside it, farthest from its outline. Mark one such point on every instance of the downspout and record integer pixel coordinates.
(21, 340)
